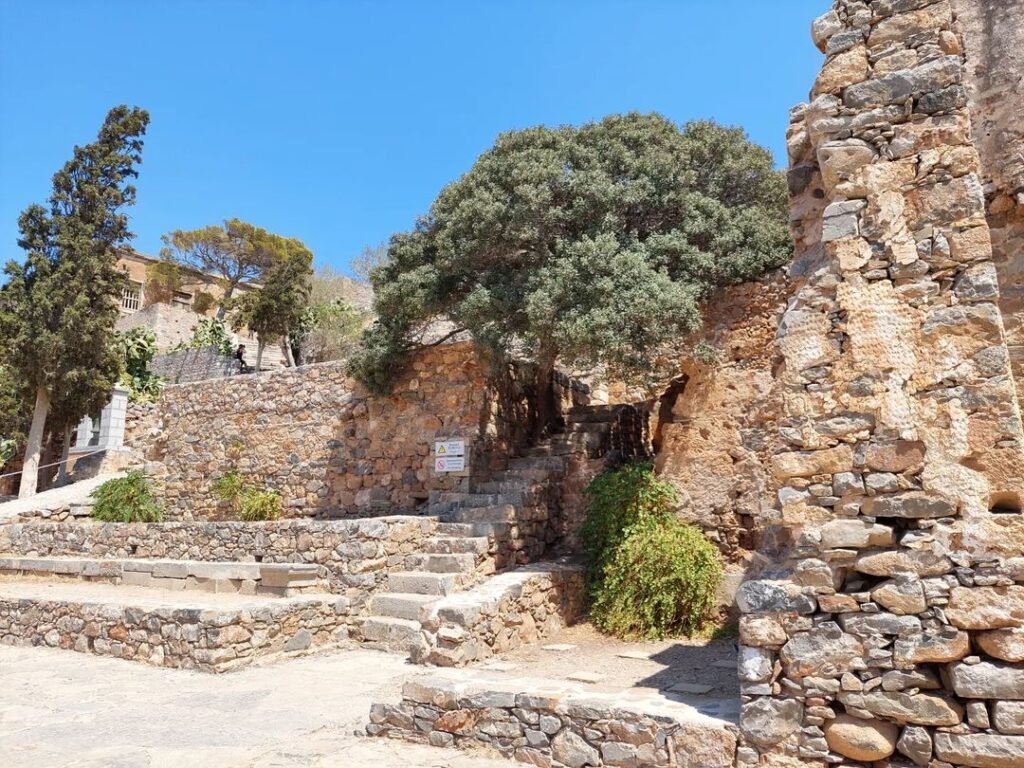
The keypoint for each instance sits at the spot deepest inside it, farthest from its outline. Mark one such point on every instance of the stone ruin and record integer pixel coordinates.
(892, 630)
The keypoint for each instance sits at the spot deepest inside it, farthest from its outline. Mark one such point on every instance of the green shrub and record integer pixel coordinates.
(648, 574)
(126, 499)
(259, 505)
(229, 487)
(616, 500)
(203, 302)
(660, 582)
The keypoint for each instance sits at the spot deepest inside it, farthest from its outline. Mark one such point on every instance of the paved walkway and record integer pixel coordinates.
(60, 709)
(55, 498)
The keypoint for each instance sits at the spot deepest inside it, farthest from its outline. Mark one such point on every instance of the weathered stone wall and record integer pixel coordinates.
(993, 35)
(188, 365)
(539, 725)
(357, 554)
(892, 634)
(317, 437)
(715, 434)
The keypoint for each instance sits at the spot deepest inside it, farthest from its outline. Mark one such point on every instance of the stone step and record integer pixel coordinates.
(450, 545)
(549, 463)
(454, 529)
(251, 578)
(400, 605)
(211, 632)
(456, 563)
(537, 476)
(504, 513)
(485, 499)
(390, 634)
(591, 414)
(423, 582)
(513, 485)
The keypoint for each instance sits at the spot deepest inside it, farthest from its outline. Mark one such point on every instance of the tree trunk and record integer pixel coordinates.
(260, 346)
(223, 309)
(286, 350)
(545, 397)
(62, 469)
(30, 469)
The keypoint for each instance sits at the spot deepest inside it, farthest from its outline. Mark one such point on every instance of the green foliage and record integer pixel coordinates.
(203, 302)
(590, 246)
(236, 252)
(661, 582)
(648, 574)
(616, 500)
(327, 331)
(209, 332)
(229, 487)
(58, 307)
(15, 409)
(8, 447)
(706, 353)
(277, 307)
(258, 505)
(126, 499)
(163, 279)
(137, 347)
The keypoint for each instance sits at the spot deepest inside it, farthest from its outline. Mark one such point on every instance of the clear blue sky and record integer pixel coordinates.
(338, 122)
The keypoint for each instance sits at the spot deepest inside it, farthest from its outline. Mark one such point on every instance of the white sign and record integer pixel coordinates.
(450, 448)
(449, 463)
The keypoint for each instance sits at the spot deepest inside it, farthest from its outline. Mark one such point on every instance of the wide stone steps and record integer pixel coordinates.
(546, 463)
(450, 545)
(189, 629)
(450, 563)
(423, 583)
(400, 605)
(250, 578)
(392, 634)
(503, 513)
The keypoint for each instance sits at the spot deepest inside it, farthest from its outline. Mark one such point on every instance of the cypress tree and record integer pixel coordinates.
(63, 299)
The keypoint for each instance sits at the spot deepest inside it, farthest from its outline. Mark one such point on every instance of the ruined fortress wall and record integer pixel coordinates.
(722, 427)
(316, 436)
(993, 35)
(894, 632)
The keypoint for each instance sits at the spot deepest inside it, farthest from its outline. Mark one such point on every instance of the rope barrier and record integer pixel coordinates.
(77, 456)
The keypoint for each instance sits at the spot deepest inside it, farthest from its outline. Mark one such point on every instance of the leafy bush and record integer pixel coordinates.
(137, 347)
(229, 487)
(259, 505)
(203, 302)
(8, 447)
(616, 500)
(648, 574)
(209, 332)
(661, 581)
(126, 499)
(163, 279)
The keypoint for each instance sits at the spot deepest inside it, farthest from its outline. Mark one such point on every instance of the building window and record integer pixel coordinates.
(182, 299)
(94, 429)
(131, 297)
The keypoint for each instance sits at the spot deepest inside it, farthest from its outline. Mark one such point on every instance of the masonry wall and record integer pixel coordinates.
(894, 632)
(189, 365)
(319, 438)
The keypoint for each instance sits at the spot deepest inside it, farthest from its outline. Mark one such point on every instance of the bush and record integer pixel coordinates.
(126, 499)
(616, 500)
(229, 487)
(259, 505)
(648, 574)
(209, 332)
(203, 302)
(660, 582)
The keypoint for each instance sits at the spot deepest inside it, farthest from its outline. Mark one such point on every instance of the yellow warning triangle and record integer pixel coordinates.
(440, 449)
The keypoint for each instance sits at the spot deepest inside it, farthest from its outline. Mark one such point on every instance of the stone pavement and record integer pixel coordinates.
(62, 710)
(56, 498)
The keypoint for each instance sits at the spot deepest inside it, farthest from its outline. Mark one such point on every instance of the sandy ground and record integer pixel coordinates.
(60, 709)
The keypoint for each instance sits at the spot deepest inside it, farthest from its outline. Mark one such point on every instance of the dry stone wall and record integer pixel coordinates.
(892, 634)
(318, 438)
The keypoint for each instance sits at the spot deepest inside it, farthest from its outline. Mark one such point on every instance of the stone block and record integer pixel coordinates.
(980, 750)
(986, 680)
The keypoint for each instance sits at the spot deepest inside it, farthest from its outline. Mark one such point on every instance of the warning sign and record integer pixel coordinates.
(449, 463)
(450, 448)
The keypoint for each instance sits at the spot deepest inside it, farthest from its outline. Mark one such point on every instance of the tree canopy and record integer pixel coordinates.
(61, 303)
(236, 252)
(589, 246)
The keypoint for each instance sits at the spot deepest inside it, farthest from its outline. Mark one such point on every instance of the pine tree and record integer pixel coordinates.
(63, 299)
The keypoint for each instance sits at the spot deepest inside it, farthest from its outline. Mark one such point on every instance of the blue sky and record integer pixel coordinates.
(338, 122)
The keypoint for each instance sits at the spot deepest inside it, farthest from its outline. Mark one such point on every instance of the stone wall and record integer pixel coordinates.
(537, 724)
(188, 365)
(716, 430)
(357, 554)
(892, 633)
(320, 439)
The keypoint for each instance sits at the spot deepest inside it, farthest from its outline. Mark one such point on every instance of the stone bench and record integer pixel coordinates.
(281, 579)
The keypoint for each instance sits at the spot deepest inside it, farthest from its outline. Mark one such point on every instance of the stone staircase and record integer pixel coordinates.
(505, 521)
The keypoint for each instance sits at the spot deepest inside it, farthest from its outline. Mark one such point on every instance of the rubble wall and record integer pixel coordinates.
(893, 634)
